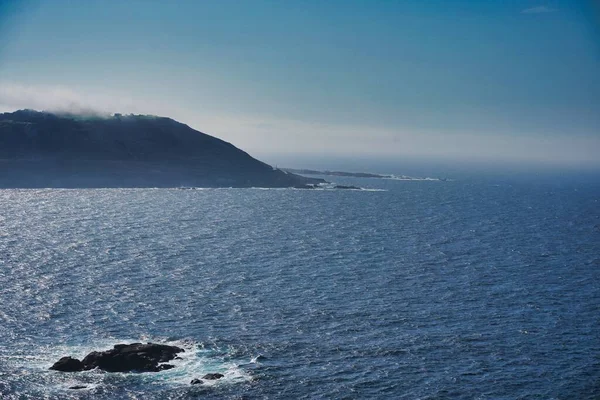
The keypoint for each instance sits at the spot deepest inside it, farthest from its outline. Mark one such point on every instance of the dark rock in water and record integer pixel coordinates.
(76, 387)
(346, 187)
(212, 377)
(136, 357)
(68, 364)
(196, 382)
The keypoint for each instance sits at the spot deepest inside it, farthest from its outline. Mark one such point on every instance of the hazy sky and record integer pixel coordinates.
(497, 80)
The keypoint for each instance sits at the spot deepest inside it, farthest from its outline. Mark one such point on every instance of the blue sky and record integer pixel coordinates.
(493, 80)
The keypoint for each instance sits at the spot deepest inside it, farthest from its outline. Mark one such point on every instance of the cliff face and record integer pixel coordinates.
(39, 149)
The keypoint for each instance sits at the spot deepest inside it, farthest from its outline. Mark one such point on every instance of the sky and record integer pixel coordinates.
(508, 80)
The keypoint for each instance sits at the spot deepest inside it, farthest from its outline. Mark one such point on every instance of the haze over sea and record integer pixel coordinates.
(483, 286)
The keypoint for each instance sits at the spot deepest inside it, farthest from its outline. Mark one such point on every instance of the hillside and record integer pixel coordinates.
(41, 149)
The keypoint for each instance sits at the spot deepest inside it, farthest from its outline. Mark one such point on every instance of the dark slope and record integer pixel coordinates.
(39, 149)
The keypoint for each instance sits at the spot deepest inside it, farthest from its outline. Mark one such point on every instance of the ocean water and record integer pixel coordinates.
(466, 289)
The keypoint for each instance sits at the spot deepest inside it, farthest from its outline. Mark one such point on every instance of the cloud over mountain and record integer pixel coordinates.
(56, 98)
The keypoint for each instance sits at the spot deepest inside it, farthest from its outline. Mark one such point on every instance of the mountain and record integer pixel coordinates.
(41, 149)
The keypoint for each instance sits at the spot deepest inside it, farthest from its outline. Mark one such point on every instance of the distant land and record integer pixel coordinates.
(48, 150)
(357, 175)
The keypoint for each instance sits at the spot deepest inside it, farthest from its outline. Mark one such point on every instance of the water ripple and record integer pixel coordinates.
(424, 290)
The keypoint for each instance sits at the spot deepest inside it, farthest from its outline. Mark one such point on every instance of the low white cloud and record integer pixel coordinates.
(56, 98)
(538, 10)
(46, 98)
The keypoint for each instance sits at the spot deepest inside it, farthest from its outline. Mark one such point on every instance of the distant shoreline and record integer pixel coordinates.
(358, 175)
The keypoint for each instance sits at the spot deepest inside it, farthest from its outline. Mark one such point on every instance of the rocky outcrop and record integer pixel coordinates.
(213, 376)
(68, 364)
(209, 377)
(135, 357)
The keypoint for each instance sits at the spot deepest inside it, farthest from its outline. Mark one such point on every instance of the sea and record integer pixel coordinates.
(478, 286)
